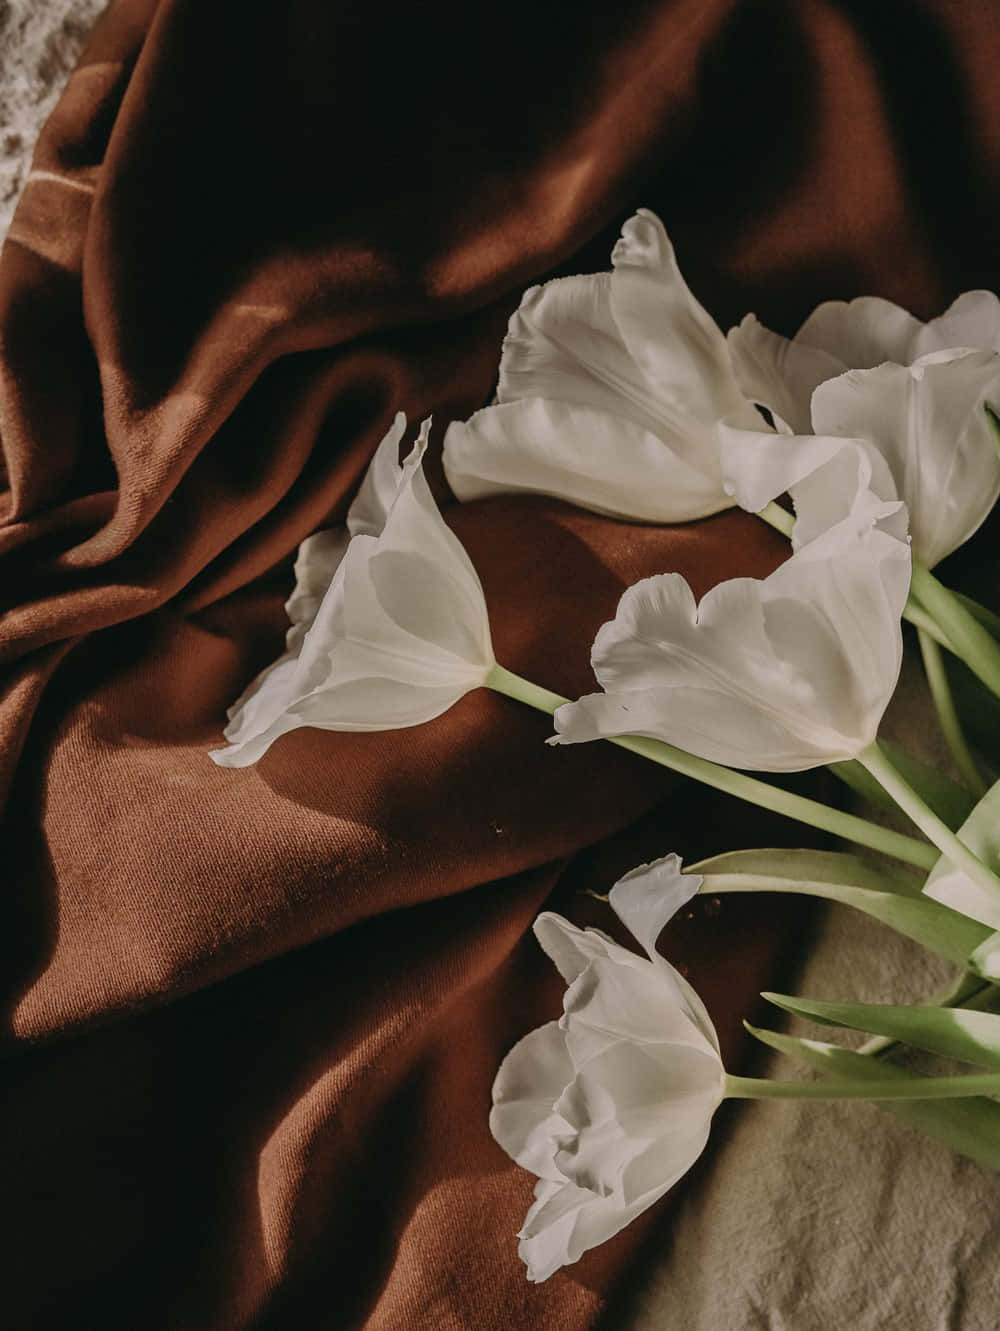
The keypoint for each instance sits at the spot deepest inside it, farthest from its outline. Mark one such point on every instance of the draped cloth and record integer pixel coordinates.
(251, 1018)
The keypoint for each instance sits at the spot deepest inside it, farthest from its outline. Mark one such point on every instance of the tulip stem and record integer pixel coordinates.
(748, 788)
(912, 1088)
(874, 760)
(779, 518)
(951, 726)
(970, 640)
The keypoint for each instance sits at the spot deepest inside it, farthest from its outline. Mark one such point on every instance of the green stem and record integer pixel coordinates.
(973, 643)
(923, 623)
(951, 727)
(913, 1088)
(876, 762)
(779, 518)
(744, 787)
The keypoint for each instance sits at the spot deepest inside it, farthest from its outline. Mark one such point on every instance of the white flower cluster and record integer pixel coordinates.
(619, 393)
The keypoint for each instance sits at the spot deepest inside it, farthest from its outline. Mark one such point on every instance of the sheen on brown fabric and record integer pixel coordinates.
(252, 1017)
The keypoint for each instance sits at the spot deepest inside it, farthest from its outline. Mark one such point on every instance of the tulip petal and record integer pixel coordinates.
(861, 333)
(263, 700)
(609, 464)
(620, 997)
(384, 479)
(851, 492)
(530, 1080)
(779, 373)
(973, 320)
(758, 465)
(981, 833)
(648, 896)
(671, 337)
(927, 421)
(564, 345)
(425, 582)
(626, 1098)
(566, 1221)
(316, 563)
(570, 949)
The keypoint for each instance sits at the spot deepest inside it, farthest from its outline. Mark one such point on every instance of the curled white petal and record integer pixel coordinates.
(648, 896)
(841, 500)
(384, 479)
(973, 320)
(570, 949)
(671, 337)
(778, 373)
(588, 457)
(758, 465)
(563, 344)
(527, 1086)
(861, 333)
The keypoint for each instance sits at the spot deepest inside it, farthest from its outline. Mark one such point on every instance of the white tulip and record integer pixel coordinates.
(869, 372)
(611, 387)
(782, 373)
(389, 632)
(777, 675)
(611, 1104)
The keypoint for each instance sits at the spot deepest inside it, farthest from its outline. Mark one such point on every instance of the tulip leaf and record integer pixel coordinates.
(981, 833)
(971, 1127)
(818, 866)
(951, 802)
(889, 896)
(973, 1037)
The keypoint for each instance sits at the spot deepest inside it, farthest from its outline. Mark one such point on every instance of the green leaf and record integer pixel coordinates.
(973, 1037)
(981, 833)
(971, 1127)
(950, 801)
(818, 866)
(892, 896)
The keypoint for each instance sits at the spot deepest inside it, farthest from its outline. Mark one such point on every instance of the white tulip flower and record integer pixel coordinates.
(869, 372)
(780, 674)
(611, 387)
(389, 632)
(318, 559)
(611, 1104)
(782, 373)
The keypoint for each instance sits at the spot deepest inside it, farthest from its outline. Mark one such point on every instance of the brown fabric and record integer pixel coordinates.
(253, 1016)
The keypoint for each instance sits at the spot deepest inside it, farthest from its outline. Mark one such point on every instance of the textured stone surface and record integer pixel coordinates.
(40, 41)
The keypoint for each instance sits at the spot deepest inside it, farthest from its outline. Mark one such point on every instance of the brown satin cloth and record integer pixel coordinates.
(252, 1017)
